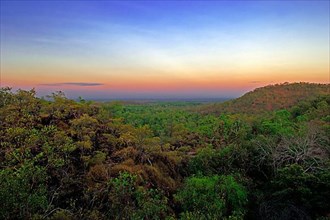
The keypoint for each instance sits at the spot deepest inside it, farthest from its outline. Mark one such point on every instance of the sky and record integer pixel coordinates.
(162, 49)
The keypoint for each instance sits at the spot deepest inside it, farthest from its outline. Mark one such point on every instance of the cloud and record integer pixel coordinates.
(71, 84)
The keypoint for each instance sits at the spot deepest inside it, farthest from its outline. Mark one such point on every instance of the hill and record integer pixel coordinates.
(62, 159)
(269, 98)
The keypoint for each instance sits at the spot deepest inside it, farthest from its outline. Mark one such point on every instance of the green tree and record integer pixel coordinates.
(23, 192)
(130, 201)
(214, 197)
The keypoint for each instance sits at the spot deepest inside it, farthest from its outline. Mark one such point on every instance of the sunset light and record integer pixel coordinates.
(164, 48)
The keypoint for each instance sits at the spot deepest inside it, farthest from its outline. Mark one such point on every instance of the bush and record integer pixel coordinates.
(212, 197)
(22, 192)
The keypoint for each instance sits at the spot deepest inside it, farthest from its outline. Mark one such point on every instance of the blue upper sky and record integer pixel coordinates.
(165, 48)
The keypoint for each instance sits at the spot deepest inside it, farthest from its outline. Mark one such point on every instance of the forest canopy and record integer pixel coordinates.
(66, 159)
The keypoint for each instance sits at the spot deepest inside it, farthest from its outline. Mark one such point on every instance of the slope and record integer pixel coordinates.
(269, 98)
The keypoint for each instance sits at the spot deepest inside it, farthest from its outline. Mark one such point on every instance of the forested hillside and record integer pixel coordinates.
(270, 98)
(62, 159)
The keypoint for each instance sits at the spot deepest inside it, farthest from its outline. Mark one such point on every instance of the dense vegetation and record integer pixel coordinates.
(62, 159)
(270, 98)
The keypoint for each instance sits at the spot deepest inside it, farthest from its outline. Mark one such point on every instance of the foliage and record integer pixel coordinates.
(270, 98)
(212, 197)
(293, 185)
(66, 159)
(22, 192)
(128, 200)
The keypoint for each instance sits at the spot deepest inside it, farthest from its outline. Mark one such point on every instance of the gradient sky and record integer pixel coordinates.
(162, 49)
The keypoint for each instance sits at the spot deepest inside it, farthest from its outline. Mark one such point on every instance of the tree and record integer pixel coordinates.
(23, 192)
(215, 197)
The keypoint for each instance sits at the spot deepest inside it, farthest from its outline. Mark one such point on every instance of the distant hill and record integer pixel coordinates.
(269, 98)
